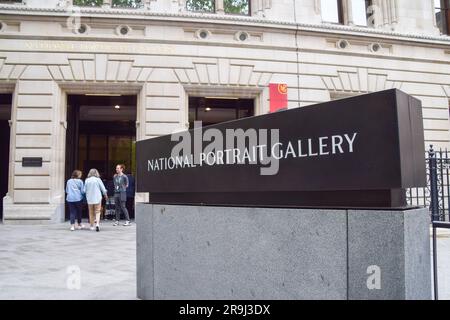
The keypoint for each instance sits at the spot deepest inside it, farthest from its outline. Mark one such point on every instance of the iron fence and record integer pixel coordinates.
(436, 195)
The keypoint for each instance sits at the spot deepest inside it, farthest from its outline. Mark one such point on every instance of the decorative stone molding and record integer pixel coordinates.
(100, 68)
(123, 30)
(222, 72)
(446, 90)
(375, 47)
(363, 46)
(242, 36)
(358, 80)
(10, 71)
(342, 44)
(212, 72)
(83, 29)
(242, 20)
(203, 34)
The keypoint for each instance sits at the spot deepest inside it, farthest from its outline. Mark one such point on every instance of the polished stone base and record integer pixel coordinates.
(195, 252)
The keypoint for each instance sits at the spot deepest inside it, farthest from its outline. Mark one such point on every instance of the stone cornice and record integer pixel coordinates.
(145, 14)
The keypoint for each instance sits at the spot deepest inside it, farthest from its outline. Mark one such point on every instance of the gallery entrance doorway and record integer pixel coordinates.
(101, 133)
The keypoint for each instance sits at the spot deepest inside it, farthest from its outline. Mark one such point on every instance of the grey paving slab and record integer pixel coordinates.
(45, 262)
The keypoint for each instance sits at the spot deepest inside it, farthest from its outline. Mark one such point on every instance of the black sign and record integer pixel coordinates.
(356, 152)
(31, 162)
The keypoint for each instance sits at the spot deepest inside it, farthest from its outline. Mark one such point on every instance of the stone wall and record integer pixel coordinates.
(163, 61)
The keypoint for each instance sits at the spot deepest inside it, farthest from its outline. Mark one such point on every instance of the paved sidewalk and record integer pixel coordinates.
(36, 262)
(443, 255)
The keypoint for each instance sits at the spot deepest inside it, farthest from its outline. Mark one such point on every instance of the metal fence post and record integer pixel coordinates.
(433, 185)
(435, 269)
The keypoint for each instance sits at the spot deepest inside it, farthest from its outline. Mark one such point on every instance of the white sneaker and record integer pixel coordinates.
(116, 223)
(127, 223)
(92, 228)
(72, 228)
(80, 227)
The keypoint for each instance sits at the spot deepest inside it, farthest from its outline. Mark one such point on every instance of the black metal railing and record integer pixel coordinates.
(436, 225)
(436, 195)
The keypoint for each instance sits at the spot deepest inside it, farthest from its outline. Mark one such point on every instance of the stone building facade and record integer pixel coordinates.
(164, 53)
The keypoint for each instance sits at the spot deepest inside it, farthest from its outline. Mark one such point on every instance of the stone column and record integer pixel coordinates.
(220, 7)
(107, 4)
(349, 12)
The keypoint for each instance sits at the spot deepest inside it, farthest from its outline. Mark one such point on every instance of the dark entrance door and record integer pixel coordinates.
(101, 133)
(215, 110)
(5, 115)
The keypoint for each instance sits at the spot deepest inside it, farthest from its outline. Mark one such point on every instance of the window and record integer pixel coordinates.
(442, 12)
(216, 110)
(200, 5)
(237, 7)
(360, 11)
(127, 3)
(88, 3)
(332, 11)
(349, 12)
(114, 3)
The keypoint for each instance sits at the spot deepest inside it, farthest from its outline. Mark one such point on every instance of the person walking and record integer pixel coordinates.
(94, 189)
(75, 192)
(120, 194)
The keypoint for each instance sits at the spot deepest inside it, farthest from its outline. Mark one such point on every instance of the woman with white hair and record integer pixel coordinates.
(94, 189)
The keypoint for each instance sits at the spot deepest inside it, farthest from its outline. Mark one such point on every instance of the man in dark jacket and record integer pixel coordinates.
(130, 195)
(120, 194)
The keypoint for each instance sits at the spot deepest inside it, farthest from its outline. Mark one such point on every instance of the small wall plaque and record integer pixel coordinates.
(32, 162)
